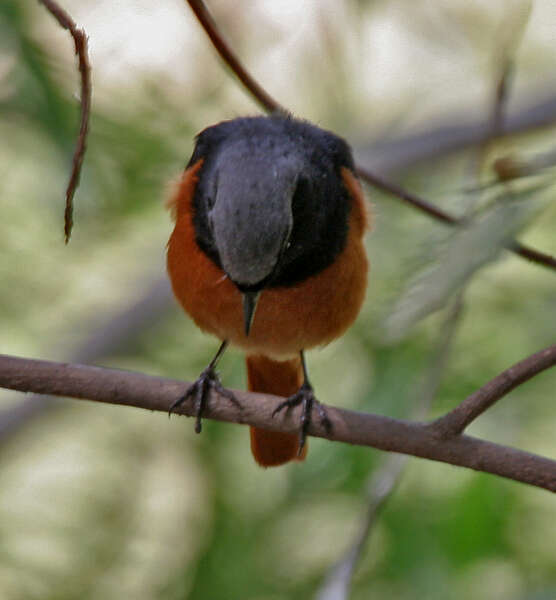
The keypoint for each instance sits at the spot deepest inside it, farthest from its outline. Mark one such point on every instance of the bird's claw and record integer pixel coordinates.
(306, 397)
(199, 392)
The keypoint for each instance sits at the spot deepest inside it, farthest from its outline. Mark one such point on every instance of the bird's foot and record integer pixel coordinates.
(199, 392)
(306, 397)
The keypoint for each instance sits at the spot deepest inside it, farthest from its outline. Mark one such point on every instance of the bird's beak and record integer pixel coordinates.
(250, 300)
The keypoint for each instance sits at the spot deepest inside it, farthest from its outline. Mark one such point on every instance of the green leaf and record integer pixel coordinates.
(471, 246)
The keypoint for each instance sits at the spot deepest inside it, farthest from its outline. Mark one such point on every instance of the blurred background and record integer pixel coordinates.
(109, 502)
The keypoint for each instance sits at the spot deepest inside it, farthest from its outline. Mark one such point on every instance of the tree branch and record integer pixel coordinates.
(157, 393)
(455, 422)
(437, 213)
(408, 197)
(270, 105)
(81, 49)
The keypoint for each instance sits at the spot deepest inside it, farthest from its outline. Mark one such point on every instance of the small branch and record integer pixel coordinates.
(156, 393)
(532, 255)
(437, 213)
(229, 57)
(455, 422)
(81, 49)
(270, 105)
(408, 197)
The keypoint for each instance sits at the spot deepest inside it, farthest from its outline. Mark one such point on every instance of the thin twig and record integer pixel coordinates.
(395, 435)
(532, 255)
(437, 213)
(270, 105)
(455, 422)
(408, 197)
(229, 57)
(81, 49)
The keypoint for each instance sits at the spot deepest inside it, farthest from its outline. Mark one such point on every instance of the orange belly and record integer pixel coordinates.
(287, 319)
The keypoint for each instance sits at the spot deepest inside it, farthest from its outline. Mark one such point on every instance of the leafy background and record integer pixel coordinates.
(109, 502)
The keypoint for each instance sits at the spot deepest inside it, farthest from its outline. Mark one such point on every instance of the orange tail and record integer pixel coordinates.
(272, 448)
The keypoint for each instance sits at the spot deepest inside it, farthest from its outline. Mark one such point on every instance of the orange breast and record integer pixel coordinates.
(287, 319)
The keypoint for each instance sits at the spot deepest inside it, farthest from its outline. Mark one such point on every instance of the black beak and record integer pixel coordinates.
(250, 300)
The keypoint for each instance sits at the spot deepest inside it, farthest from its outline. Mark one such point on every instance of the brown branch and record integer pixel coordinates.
(455, 422)
(532, 255)
(81, 49)
(408, 197)
(270, 105)
(156, 393)
(228, 56)
(437, 213)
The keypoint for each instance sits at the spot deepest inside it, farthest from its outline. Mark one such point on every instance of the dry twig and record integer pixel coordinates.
(81, 49)
(229, 57)
(456, 421)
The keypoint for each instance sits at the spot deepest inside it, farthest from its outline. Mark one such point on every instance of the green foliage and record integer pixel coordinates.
(107, 502)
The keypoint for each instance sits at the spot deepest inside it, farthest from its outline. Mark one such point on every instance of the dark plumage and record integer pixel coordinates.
(283, 212)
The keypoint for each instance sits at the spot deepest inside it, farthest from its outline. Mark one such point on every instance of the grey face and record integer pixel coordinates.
(251, 218)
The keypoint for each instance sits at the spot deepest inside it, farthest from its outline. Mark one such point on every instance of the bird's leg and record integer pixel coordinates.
(200, 389)
(306, 397)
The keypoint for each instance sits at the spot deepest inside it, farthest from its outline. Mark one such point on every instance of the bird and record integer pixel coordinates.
(267, 254)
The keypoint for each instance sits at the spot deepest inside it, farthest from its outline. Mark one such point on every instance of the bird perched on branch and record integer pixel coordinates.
(267, 255)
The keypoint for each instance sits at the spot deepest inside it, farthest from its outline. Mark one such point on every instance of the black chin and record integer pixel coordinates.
(254, 288)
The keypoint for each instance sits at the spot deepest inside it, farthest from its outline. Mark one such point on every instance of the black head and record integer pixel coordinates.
(270, 207)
